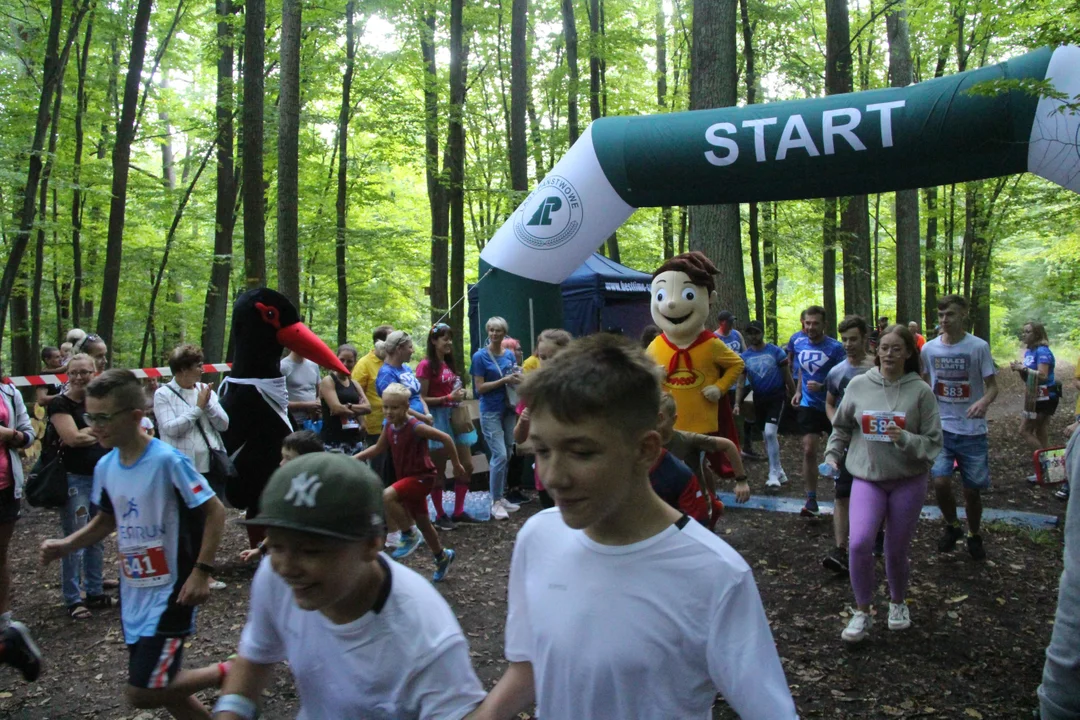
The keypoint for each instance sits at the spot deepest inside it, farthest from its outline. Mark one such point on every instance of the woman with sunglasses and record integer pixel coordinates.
(96, 348)
(81, 453)
(443, 390)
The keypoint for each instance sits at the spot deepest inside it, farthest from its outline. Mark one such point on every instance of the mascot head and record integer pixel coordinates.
(682, 289)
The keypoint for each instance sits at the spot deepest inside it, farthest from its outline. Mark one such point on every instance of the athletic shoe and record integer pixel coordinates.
(464, 517)
(509, 506)
(498, 512)
(442, 565)
(393, 539)
(773, 483)
(858, 627)
(1062, 493)
(517, 497)
(1032, 479)
(899, 617)
(836, 560)
(217, 585)
(444, 523)
(975, 547)
(783, 478)
(18, 649)
(810, 509)
(949, 537)
(409, 543)
(879, 544)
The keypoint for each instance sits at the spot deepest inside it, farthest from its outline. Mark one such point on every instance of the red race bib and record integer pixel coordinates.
(874, 423)
(956, 391)
(145, 566)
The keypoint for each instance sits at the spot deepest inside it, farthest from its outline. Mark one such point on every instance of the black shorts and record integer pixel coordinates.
(154, 661)
(1047, 407)
(812, 421)
(9, 504)
(843, 481)
(768, 409)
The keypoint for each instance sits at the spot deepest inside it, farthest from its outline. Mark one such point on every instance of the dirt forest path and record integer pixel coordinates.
(975, 649)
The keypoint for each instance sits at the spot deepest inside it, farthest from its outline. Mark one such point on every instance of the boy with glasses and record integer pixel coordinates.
(168, 524)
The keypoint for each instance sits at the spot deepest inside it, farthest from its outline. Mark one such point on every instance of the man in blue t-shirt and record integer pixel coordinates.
(767, 372)
(812, 355)
(168, 524)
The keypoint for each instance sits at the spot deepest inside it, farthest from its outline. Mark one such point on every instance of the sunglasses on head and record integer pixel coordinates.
(438, 328)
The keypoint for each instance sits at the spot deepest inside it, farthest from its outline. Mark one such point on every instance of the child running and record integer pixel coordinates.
(364, 637)
(406, 438)
(620, 607)
(889, 426)
(168, 523)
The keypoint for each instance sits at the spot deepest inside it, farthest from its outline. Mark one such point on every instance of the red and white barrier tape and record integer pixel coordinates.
(39, 380)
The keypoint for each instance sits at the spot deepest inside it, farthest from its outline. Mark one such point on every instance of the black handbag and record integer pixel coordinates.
(221, 469)
(47, 484)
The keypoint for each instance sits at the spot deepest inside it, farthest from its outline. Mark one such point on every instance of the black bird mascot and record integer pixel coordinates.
(254, 395)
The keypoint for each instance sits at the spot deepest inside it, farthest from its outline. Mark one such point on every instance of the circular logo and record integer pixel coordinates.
(551, 216)
(683, 379)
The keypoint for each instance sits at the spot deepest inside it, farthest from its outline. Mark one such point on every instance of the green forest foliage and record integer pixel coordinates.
(1036, 251)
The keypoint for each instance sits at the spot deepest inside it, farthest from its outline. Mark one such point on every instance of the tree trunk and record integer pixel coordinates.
(714, 229)
(594, 58)
(342, 177)
(436, 187)
(854, 231)
(50, 80)
(168, 162)
(288, 180)
(83, 55)
(574, 81)
(252, 160)
(217, 292)
(535, 132)
(950, 241)
(751, 98)
(877, 259)
(828, 265)
(519, 158)
(125, 130)
(908, 282)
(666, 229)
(931, 257)
(771, 271)
(456, 160)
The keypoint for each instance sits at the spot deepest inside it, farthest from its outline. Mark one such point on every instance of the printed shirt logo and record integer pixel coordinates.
(132, 510)
(303, 490)
(760, 366)
(551, 216)
(812, 360)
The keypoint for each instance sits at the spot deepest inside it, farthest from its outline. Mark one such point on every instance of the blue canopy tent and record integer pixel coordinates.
(599, 295)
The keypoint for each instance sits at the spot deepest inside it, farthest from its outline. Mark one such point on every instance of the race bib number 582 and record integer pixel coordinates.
(145, 566)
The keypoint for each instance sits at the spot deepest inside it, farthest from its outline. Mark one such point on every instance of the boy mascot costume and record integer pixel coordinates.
(700, 368)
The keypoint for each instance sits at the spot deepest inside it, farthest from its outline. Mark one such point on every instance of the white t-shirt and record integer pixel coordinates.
(405, 660)
(301, 378)
(645, 631)
(957, 377)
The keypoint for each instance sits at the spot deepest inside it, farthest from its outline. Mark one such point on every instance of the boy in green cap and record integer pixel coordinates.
(364, 636)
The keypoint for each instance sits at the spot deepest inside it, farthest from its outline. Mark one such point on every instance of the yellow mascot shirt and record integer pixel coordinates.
(706, 361)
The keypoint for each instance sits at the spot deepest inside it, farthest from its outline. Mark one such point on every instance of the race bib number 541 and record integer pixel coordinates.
(875, 422)
(145, 566)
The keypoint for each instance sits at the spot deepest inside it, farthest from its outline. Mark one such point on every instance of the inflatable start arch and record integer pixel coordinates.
(932, 133)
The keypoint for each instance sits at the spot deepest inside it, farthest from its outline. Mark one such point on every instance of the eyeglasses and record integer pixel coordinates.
(99, 419)
(79, 373)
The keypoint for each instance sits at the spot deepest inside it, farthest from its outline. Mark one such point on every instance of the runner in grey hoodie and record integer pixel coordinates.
(1059, 694)
(889, 424)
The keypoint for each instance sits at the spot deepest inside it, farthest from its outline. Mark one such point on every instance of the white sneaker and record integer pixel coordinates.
(783, 478)
(498, 512)
(509, 506)
(773, 483)
(899, 617)
(393, 539)
(858, 627)
(217, 585)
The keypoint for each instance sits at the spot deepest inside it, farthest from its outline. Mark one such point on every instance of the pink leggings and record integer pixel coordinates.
(899, 503)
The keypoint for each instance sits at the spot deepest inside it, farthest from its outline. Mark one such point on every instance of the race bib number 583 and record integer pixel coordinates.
(956, 391)
(875, 422)
(145, 566)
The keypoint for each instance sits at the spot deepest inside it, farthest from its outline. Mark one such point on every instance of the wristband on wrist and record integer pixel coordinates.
(237, 704)
(740, 478)
(208, 569)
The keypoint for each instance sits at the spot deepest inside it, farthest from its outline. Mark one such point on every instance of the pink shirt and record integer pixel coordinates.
(6, 477)
(440, 386)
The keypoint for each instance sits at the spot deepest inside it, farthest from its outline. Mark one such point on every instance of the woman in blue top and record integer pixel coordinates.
(1042, 395)
(398, 349)
(494, 370)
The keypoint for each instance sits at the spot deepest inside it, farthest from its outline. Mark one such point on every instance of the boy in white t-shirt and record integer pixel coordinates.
(364, 637)
(619, 607)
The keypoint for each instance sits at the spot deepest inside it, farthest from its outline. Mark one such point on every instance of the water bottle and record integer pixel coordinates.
(826, 470)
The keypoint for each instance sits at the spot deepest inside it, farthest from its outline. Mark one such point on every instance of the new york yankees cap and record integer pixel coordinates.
(323, 493)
